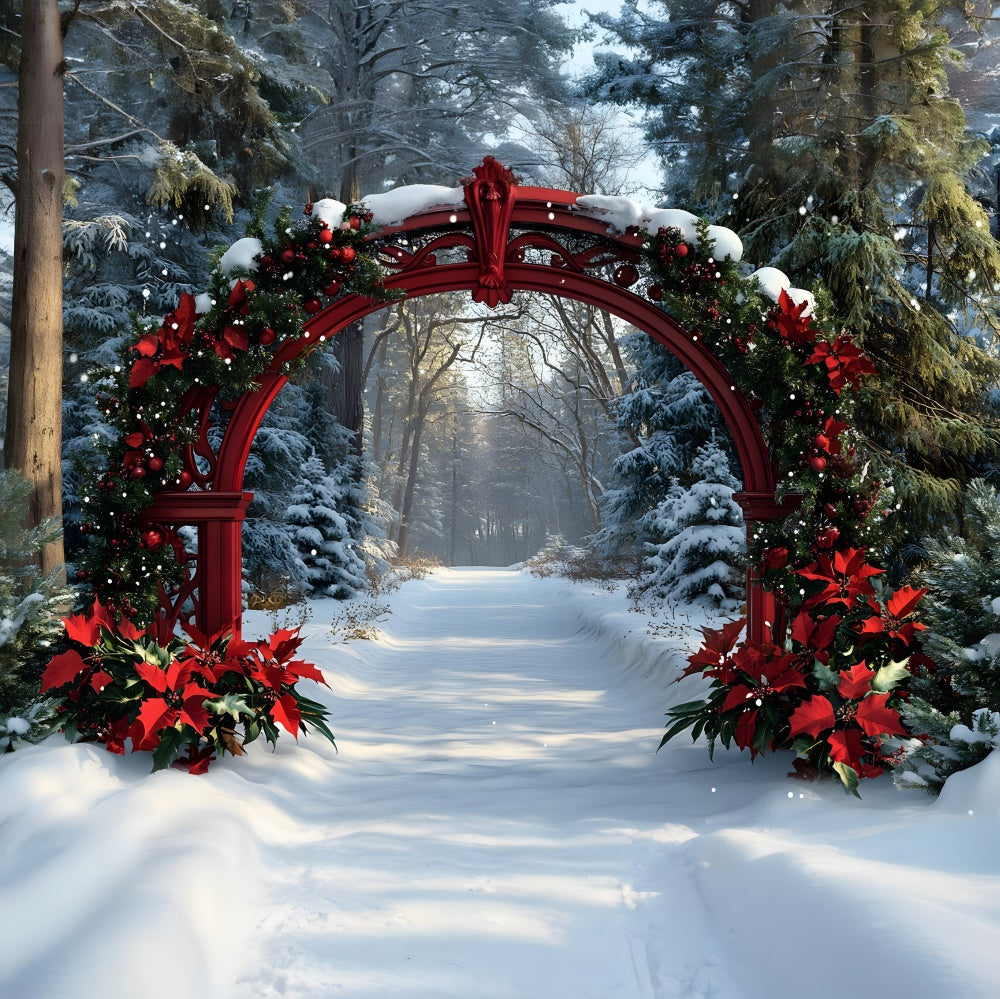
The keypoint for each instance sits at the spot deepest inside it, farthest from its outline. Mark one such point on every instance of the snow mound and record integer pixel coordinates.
(242, 256)
(402, 202)
(726, 244)
(673, 218)
(619, 213)
(203, 303)
(330, 211)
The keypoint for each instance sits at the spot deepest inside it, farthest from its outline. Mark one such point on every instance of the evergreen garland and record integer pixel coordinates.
(222, 341)
(828, 687)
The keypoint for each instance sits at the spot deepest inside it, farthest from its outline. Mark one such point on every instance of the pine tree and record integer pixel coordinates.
(702, 553)
(31, 605)
(668, 415)
(323, 536)
(845, 162)
(956, 700)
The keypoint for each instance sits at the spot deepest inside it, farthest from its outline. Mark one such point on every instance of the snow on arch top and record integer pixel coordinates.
(400, 203)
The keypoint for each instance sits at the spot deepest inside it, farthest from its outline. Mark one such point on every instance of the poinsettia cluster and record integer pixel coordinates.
(828, 681)
(183, 701)
(218, 343)
(829, 689)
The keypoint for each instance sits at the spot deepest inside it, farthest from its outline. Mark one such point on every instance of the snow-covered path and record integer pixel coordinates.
(490, 774)
(496, 825)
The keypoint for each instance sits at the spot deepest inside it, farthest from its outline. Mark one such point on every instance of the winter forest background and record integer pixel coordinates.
(848, 144)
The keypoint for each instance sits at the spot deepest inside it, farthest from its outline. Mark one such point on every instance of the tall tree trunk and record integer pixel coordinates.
(34, 400)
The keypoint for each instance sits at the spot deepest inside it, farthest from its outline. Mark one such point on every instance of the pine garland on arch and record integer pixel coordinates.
(120, 679)
(828, 682)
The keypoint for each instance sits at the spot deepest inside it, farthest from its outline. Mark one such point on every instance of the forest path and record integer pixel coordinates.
(478, 833)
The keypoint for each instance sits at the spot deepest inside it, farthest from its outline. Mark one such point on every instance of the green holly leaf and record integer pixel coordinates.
(229, 704)
(826, 678)
(848, 777)
(888, 676)
(171, 740)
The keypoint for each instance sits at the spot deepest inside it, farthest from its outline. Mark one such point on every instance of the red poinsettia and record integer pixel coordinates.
(792, 324)
(844, 361)
(712, 658)
(765, 672)
(182, 700)
(815, 635)
(895, 619)
(844, 577)
(169, 346)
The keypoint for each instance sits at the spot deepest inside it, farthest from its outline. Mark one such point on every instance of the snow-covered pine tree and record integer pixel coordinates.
(30, 609)
(668, 415)
(702, 551)
(956, 701)
(324, 536)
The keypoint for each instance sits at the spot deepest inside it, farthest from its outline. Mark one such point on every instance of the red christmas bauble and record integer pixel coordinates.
(326, 236)
(829, 509)
(184, 479)
(152, 539)
(355, 222)
(155, 464)
(347, 254)
(267, 336)
(681, 250)
(626, 275)
(655, 292)
(138, 472)
(288, 255)
(312, 306)
(827, 538)
(332, 289)
(818, 462)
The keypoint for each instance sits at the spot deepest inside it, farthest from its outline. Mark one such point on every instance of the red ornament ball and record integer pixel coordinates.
(355, 222)
(184, 479)
(267, 336)
(155, 464)
(347, 254)
(288, 255)
(818, 462)
(326, 236)
(312, 306)
(655, 292)
(681, 250)
(827, 538)
(626, 275)
(332, 289)
(138, 472)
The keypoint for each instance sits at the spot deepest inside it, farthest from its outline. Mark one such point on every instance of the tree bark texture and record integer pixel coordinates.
(34, 402)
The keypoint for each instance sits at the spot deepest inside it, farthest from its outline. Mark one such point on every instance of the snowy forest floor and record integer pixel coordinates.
(496, 825)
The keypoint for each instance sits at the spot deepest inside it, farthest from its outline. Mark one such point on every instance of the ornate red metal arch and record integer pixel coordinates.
(506, 239)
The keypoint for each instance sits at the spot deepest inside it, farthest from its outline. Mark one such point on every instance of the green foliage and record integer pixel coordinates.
(30, 606)
(957, 692)
(831, 145)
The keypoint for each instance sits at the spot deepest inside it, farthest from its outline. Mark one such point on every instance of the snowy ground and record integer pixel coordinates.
(495, 826)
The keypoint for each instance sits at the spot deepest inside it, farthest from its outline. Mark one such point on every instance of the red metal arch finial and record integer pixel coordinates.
(490, 196)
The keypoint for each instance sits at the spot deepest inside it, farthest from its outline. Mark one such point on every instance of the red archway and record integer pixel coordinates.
(505, 239)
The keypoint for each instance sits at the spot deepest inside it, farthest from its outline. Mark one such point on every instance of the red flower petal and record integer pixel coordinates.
(812, 716)
(62, 669)
(856, 682)
(876, 718)
(285, 711)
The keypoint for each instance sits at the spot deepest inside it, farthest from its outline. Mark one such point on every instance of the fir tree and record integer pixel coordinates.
(324, 536)
(956, 699)
(704, 535)
(667, 415)
(30, 610)
(845, 163)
